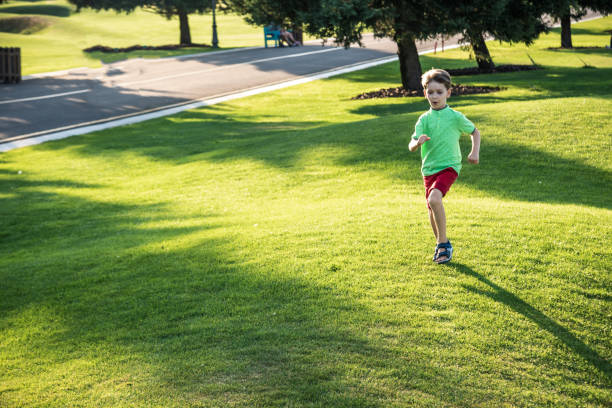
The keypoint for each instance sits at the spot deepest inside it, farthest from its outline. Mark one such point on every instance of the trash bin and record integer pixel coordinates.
(10, 65)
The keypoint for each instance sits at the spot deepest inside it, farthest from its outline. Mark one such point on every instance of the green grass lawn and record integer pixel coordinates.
(60, 45)
(245, 256)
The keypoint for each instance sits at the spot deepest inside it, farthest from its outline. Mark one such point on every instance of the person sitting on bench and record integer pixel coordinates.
(287, 37)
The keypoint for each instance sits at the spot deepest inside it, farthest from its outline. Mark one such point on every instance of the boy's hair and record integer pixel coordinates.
(437, 75)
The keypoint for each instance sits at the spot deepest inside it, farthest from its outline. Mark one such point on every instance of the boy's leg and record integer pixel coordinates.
(439, 217)
(436, 186)
(432, 221)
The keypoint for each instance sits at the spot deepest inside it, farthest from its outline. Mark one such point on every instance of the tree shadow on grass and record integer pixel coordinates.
(16, 189)
(109, 58)
(588, 51)
(501, 295)
(198, 318)
(537, 176)
(582, 31)
(88, 285)
(220, 135)
(217, 133)
(46, 224)
(556, 82)
(41, 9)
(209, 329)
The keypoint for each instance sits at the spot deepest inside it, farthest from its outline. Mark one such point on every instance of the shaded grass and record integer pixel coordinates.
(109, 58)
(239, 255)
(41, 9)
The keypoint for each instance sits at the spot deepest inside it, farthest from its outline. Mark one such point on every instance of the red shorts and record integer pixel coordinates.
(442, 180)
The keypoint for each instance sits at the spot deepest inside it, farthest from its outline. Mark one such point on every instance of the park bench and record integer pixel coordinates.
(271, 33)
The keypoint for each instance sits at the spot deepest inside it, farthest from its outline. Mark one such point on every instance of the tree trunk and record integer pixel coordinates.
(410, 66)
(184, 25)
(481, 52)
(566, 31)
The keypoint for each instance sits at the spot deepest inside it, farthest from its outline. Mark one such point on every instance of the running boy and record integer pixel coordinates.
(437, 132)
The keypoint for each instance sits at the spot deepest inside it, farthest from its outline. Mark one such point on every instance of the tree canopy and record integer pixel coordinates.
(504, 20)
(345, 20)
(406, 21)
(264, 12)
(288, 13)
(166, 8)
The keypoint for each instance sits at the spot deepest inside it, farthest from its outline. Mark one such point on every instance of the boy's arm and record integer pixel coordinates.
(415, 143)
(474, 155)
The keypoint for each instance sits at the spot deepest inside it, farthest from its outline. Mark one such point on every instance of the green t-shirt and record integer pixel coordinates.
(444, 127)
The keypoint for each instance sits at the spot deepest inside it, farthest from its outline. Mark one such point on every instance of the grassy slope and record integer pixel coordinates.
(239, 255)
(60, 45)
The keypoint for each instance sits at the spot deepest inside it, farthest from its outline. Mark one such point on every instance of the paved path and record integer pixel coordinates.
(82, 97)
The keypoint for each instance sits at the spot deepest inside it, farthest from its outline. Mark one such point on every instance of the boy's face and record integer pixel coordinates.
(436, 94)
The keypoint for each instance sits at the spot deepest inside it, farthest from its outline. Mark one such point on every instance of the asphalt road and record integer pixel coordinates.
(81, 97)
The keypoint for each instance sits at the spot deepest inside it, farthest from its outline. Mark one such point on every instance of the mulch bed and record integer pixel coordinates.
(103, 48)
(458, 89)
(400, 92)
(577, 48)
(496, 70)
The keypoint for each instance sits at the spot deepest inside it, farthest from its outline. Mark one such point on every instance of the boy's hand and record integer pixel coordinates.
(422, 139)
(473, 158)
(415, 143)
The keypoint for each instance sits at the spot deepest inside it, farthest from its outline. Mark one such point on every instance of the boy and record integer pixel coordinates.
(437, 132)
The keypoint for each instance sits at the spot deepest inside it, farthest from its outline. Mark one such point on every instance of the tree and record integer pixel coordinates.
(504, 20)
(405, 21)
(273, 12)
(166, 8)
(475, 20)
(345, 21)
(565, 11)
